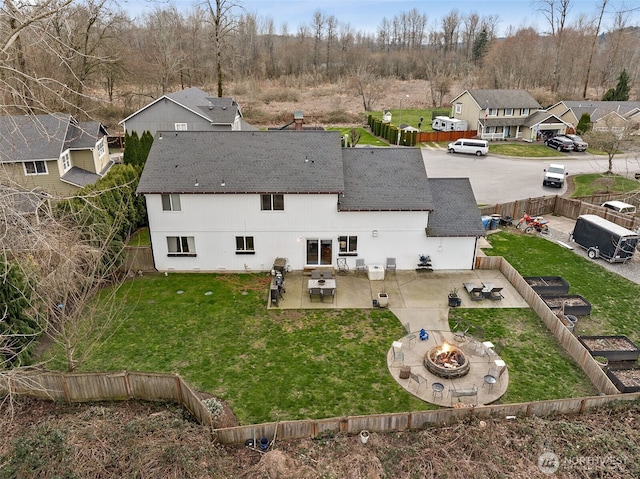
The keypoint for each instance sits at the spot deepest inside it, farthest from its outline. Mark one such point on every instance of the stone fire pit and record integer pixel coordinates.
(446, 361)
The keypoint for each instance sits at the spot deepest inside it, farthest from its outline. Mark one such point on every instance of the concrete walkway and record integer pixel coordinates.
(419, 300)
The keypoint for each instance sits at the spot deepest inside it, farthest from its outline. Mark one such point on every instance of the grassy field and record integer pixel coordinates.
(527, 150)
(615, 300)
(592, 183)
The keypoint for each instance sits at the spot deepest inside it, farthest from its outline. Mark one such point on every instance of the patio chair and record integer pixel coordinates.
(315, 274)
(360, 266)
(420, 381)
(398, 358)
(329, 292)
(327, 274)
(410, 337)
(497, 372)
(315, 292)
(343, 267)
(391, 264)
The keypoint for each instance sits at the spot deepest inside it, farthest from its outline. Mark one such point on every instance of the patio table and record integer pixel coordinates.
(322, 283)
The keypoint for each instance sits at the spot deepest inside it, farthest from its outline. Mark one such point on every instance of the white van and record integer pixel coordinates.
(620, 207)
(473, 147)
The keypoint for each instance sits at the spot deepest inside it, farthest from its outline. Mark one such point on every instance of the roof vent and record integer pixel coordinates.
(210, 106)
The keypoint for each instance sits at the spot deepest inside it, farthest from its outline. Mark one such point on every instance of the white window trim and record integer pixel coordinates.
(508, 112)
(191, 246)
(524, 111)
(100, 147)
(493, 112)
(46, 169)
(66, 161)
(245, 249)
(175, 202)
(458, 108)
(271, 208)
(180, 126)
(347, 251)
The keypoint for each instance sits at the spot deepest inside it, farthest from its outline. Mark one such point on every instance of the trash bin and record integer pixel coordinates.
(495, 221)
(486, 220)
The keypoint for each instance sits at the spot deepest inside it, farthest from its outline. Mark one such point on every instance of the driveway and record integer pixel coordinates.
(497, 179)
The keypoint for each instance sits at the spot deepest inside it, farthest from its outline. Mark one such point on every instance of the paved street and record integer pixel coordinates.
(497, 179)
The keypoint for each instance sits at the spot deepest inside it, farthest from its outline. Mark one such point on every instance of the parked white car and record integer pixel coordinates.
(472, 147)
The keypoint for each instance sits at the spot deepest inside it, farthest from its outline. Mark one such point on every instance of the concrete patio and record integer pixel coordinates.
(419, 301)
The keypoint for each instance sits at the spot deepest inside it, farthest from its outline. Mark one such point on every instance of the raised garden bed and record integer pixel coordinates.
(614, 348)
(626, 380)
(573, 304)
(547, 285)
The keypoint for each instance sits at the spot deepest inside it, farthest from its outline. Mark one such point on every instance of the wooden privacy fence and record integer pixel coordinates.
(286, 430)
(558, 205)
(411, 138)
(566, 338)
(115, 386)
(445, 136)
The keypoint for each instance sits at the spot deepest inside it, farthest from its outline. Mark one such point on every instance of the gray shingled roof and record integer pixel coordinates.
(40, 137)
(540, 117)
(385, 179)
(456, 212)
(504, 99)
(44, 137)
(248, 162)
(79, 177)
(598, 109)
(218, 110)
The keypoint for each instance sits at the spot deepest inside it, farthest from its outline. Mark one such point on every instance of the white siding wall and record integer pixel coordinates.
(215, 220)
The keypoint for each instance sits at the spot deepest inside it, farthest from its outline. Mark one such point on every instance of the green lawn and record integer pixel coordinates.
(528, 150)
(592, 183)
(366, 137)
(140, 238)
(267, 364)
(411, 117)
(615, 300)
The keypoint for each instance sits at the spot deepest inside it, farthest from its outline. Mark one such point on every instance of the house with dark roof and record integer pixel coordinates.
(187, 110)
(235, 201)
(605, 115)
(54, 153)
(505, 115)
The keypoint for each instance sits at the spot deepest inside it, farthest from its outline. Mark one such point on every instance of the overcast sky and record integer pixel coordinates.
(366, 15)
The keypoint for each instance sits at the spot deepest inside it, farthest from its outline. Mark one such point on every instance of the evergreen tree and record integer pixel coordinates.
(18, 330)
(584, 124)
(480, 46)
(131, 148)
(621, 91)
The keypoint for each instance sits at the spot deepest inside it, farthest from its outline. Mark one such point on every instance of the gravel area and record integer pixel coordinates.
(629, 270)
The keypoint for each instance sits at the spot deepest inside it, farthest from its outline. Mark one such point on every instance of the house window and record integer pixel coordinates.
(66, 161)
(458, 107)
(244, 245)
(508, 112)
(101, 147)
(348, 245)
(524, 111)
(493, 112)
(181, 246)
(272, 202)
(180, 126)
(35, 168)
(171, 202)
(319, 251)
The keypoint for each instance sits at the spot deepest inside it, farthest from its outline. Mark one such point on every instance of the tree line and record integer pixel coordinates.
(63, 55)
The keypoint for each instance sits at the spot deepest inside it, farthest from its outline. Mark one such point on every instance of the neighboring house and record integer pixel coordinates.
(605, 115)
(235, 201)
(52, 152)
(187, 110)
(505, 115)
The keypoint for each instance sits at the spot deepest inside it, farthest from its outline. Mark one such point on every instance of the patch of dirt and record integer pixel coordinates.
(43, 439)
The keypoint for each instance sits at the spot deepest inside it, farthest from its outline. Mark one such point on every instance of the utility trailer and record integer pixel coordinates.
(602, 238)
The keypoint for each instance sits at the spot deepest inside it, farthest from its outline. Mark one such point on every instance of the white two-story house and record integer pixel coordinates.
(235, 201)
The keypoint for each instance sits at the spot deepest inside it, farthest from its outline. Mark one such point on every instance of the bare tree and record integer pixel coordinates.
(221, 18)
(556, 13)
(613, 136)
(368, 85)
(596, 33)
(450, 30)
